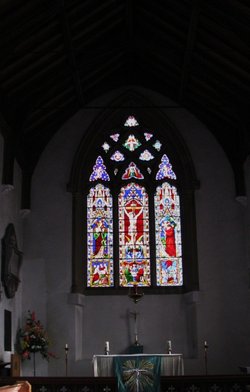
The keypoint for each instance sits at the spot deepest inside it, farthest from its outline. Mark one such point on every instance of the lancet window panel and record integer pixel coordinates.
(100, 269)
(134, 253)
(168, 236)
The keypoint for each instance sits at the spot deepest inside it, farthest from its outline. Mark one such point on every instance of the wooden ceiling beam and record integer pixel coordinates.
(35, 67)
(203, 65)
(28, 16)
(19, 9)
(48, 112)
(50, 103)
(129, 18)
(232, 53)
(211, 101)
(236, 14)
(51, 88)
(178, 19)
(211, 24)
(159, 61)
(239, 6)
(69, 49)
(98, 75)
(231, 68)
(94, 32)
(160, 25)
(82, 13)
(38, 42)
(21, 60)
(191, 37)
(129, 52)
(24, 84)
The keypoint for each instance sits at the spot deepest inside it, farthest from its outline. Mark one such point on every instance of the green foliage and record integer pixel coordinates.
(33, 338)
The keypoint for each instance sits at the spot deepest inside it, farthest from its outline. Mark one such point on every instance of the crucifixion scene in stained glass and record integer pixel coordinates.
(137, 185)
(134, 236)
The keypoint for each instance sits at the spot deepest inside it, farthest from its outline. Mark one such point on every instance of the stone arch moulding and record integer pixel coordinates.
(152, 117)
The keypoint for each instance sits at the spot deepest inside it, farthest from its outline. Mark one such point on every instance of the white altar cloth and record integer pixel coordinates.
(171, 364)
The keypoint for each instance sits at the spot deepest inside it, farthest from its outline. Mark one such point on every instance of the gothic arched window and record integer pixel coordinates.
(133, 230)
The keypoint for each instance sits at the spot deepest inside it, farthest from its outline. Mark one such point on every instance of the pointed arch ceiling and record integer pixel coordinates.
(56, 56)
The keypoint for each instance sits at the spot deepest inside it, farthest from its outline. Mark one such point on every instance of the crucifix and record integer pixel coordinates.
(135, 314)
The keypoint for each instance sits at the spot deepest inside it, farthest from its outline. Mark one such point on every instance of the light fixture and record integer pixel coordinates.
(134, 294)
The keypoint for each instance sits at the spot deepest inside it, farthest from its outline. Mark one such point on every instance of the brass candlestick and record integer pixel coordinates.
(66, 359)
(205, 356)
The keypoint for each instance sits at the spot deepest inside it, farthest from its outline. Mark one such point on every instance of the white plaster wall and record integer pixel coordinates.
(10, 213)
(217, 314)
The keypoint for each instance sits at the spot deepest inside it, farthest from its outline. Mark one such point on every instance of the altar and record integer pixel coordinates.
(171, 364)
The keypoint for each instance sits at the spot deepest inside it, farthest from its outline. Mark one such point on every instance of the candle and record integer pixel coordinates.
(169, 346)
(107, 346)
(66, 346)
(205, 344)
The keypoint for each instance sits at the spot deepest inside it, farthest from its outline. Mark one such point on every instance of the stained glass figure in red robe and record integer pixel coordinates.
(168, 236)
(100, 233)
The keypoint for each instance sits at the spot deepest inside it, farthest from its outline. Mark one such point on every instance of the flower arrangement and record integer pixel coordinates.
(33, 338)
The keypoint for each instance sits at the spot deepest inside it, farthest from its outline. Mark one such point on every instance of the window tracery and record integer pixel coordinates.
(133, 230)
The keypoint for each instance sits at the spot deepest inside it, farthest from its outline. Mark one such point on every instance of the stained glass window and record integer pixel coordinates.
(146, 156)
(142, 194)
(148, 136)
(106, 146)
(132, 143)
(157, 145)
(132, 172)
(100, 237)
(117, 156)
(131, 122)
(115, 137)
(165, 169)
(99, 171)
(168, 236)
(134, 236)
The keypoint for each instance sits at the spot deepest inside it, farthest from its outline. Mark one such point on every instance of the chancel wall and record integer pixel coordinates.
(216, 313)
(10, 213)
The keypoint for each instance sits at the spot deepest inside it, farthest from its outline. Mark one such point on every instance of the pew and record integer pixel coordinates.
(19, 386)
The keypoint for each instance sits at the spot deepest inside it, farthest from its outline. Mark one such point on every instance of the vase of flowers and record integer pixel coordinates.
(31, 339)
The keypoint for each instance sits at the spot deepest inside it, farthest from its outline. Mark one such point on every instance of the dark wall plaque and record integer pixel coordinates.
(11, 261)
